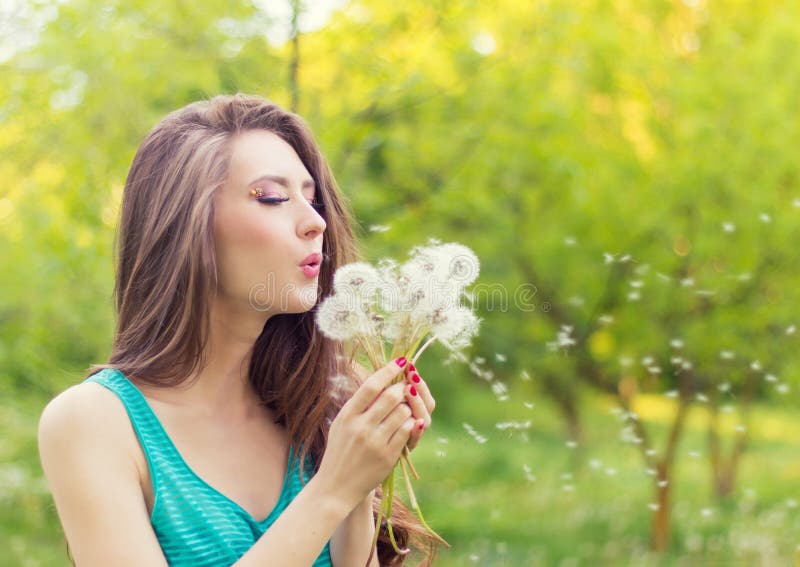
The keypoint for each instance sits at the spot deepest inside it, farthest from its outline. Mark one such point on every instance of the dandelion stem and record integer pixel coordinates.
(415, 506)
(422, 349)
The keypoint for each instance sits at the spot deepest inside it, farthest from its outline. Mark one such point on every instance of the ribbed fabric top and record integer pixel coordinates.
(196, 524)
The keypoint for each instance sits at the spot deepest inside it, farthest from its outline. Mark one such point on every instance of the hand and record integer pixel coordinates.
(421, 402)
(367, 437)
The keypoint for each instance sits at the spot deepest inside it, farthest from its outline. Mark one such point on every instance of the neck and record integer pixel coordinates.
(222, 389)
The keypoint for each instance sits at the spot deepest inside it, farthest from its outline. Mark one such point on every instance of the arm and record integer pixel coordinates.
(95, 482)
(353, 537)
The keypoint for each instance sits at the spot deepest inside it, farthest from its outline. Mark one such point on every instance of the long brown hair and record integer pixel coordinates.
(166, 278)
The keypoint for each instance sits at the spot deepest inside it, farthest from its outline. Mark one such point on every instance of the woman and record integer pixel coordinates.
(215, 434)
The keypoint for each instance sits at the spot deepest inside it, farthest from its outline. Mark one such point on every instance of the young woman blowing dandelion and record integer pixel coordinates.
(215, 435)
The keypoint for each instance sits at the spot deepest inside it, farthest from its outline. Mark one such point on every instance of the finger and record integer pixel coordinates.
(401, 436)
(422, 389)
(416, 434)
(394, 420)
(387, 401)
(414, 401)
(373, 386)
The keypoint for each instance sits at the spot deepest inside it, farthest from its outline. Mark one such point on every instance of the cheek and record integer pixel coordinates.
(247, 251)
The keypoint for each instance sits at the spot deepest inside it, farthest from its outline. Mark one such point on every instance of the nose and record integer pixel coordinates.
(311, 224)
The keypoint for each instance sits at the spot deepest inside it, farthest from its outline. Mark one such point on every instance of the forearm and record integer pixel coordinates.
(351, 542)
(300, 533)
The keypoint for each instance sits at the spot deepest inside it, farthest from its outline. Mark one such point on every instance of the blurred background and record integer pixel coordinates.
(627, 172)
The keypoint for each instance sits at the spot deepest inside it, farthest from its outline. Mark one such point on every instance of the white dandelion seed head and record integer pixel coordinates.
(358, 280)
(458, 329)
(339, 320)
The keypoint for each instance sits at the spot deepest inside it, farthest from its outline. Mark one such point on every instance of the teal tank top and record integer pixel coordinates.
(196, 524)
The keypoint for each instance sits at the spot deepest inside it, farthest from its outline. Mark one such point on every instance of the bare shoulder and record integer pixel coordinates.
(87, 410)
(85, 449)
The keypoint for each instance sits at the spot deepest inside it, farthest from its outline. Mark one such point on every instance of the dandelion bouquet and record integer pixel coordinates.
(402, 309)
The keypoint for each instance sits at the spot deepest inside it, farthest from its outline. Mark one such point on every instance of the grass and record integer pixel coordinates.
(586, 505)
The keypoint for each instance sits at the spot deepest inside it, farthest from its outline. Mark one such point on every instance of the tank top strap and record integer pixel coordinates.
(156, 444)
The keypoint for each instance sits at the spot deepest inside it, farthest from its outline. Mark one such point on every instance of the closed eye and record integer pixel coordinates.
(277, 200)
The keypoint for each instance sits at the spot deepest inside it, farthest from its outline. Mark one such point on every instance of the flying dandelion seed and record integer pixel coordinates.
(634, 296)
(765, 218)
(782, 388)
(706, 512)
(636, 284)
(499, 357)
(529, 476)
(568, 487)
(662, 483)
(608, 258)
(605, 319)
(528, 405)
(441, 454)
(791, 503)
(626, 258)
(566, 476)
(727, 355)
(654, 369)
(672, 394)
(525, 376)
(740, 428)
(650, 452)
(771, 378)
(444, 440)
(790, 329)
(647, 360)
(724, 387)
(653, 506)
(687, 282)
(474, 434)
(379, 228)
(513, 425)
(595, 463)
(651, 471)
(576, 300)
(570, 241)
(727, 409)
(728, 226)
(675, 360)
(755, 365)
(641, 270)
(663, 277)
(611, 471)
(796, 203)
(676, 343)
(702, 398)
(694, 454)
(571, 444)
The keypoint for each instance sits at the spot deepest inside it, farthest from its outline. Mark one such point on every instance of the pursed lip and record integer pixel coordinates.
(315, 258)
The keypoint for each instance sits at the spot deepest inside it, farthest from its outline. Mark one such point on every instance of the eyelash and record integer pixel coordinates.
(277, 200)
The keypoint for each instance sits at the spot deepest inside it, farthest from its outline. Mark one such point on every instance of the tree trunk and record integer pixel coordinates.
(660, 531)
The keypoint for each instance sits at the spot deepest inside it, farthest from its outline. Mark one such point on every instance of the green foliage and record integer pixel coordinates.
(541, 134)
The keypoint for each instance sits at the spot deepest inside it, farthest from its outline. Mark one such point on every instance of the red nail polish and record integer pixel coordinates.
(401, 361)
(415, 378)
(413, 391)
(411, 368)
(422, 426)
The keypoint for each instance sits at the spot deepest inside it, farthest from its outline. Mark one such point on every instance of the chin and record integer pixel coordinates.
(304, 299)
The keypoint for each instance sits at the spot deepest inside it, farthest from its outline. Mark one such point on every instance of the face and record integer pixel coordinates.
(262, 243)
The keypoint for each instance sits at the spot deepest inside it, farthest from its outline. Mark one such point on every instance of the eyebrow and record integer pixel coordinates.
(283, 181)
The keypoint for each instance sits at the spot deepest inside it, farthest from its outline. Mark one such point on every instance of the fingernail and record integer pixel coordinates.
(415, 378)
(413, 391)
(422, 426)
(401, 361)
(411, 368)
